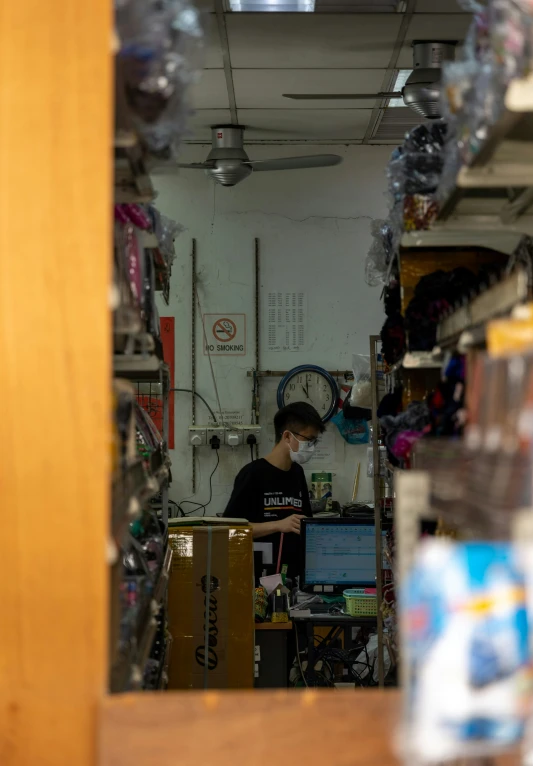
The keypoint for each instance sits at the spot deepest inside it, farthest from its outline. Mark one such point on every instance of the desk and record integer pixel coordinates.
(339, 624)
(273, 626)
(271, 638)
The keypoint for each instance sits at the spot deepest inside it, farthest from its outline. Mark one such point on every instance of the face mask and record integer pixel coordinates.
(304, 453)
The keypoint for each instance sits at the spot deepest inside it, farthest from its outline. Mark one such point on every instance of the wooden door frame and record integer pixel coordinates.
(56, 117)
(55, 380)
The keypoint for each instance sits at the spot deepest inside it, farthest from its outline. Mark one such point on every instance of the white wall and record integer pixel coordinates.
(313, 227)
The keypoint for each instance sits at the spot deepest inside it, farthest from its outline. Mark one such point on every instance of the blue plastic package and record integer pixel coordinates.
(354, 431)
(466, 643)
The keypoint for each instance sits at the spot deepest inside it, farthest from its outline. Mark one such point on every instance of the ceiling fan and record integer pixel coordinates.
(421, 92)
(227, 163)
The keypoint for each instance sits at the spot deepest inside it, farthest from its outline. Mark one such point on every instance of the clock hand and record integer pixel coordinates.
(306, 391)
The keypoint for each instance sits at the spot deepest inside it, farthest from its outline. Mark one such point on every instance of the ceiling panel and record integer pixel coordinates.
(300, 124)
(438, 6)
(298, 41)
(206, 6)
(210, 92)
(211, 56)
(264, 88)
(199, 124)
(445, 26)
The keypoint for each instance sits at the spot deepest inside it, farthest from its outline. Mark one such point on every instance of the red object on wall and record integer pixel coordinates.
(169, 349)
(153, 404)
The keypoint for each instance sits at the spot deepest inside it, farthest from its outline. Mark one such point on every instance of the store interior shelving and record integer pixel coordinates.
(138, 583)
(496, 301)
(127, 668)
(489, 207)
(494, 193)
(502, 239)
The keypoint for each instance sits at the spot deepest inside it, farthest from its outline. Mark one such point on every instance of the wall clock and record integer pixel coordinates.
(311, 384)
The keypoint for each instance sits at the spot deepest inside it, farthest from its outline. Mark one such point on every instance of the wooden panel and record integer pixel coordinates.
(250, 728)
(55, 238)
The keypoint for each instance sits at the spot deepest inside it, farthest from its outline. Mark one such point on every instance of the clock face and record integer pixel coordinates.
(312, 385)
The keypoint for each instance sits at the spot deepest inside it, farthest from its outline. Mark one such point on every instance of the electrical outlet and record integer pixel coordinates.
(251, 431)
(197, 436)
(215, 432)
(233, 437)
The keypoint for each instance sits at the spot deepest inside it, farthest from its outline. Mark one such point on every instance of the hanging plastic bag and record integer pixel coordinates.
(159, 58)
(354, 431)
(361, 395)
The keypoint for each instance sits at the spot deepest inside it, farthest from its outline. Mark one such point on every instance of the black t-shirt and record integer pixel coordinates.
(263, 493)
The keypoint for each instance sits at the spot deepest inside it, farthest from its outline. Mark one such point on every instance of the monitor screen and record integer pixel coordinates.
(340, 554)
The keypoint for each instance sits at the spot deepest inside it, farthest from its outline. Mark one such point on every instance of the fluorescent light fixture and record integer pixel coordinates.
(400, 80)
(273, 6)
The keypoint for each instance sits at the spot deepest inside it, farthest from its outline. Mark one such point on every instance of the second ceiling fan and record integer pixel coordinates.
(421, 92)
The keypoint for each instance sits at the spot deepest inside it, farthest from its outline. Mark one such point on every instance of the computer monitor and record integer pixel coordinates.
(338, 554)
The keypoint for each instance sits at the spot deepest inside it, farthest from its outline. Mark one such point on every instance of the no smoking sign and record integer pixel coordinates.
(226, 334)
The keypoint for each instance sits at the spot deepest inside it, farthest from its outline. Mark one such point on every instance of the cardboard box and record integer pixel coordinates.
(211, 588)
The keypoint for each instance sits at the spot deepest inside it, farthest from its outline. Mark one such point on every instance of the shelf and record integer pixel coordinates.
(163, 679)
(418, 360)
(129, 669)
(496, 189)
(164, 576)
(131, 492)
(139, 367)
(503, 240)
(132, 181)
(498, 300)
(147, 641)
(126, 491)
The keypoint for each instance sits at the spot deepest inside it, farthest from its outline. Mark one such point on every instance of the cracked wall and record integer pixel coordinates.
(313, 227)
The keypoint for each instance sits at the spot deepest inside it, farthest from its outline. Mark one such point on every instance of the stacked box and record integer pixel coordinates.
(211, 596)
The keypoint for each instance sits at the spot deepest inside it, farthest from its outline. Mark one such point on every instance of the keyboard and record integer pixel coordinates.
(322, 608)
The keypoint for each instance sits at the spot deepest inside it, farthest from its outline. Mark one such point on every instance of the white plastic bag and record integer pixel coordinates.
(361, 394)
(369, 659)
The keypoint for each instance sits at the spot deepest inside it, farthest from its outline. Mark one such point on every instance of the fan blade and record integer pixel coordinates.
(339, 96)
(296, 163)
(194, 165)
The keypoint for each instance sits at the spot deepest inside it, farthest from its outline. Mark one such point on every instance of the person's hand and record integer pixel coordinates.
(291, 524)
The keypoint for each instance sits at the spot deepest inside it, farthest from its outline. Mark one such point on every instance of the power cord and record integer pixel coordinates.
(251, 440)
(190, 391)
(202, 505)
(299, 657)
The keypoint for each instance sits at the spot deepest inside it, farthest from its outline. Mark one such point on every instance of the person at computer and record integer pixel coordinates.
(271, 493)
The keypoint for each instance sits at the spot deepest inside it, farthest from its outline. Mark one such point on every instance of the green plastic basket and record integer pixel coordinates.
(359, 603)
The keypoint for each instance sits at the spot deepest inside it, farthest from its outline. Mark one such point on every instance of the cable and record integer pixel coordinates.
(190, 391)
(299, 658)
(251, 452)
(209, 355)
(202, 505)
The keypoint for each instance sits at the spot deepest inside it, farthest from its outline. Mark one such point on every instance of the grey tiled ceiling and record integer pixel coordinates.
(323, 52)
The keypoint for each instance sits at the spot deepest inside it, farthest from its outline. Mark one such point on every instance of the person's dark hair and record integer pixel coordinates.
(296, 416)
